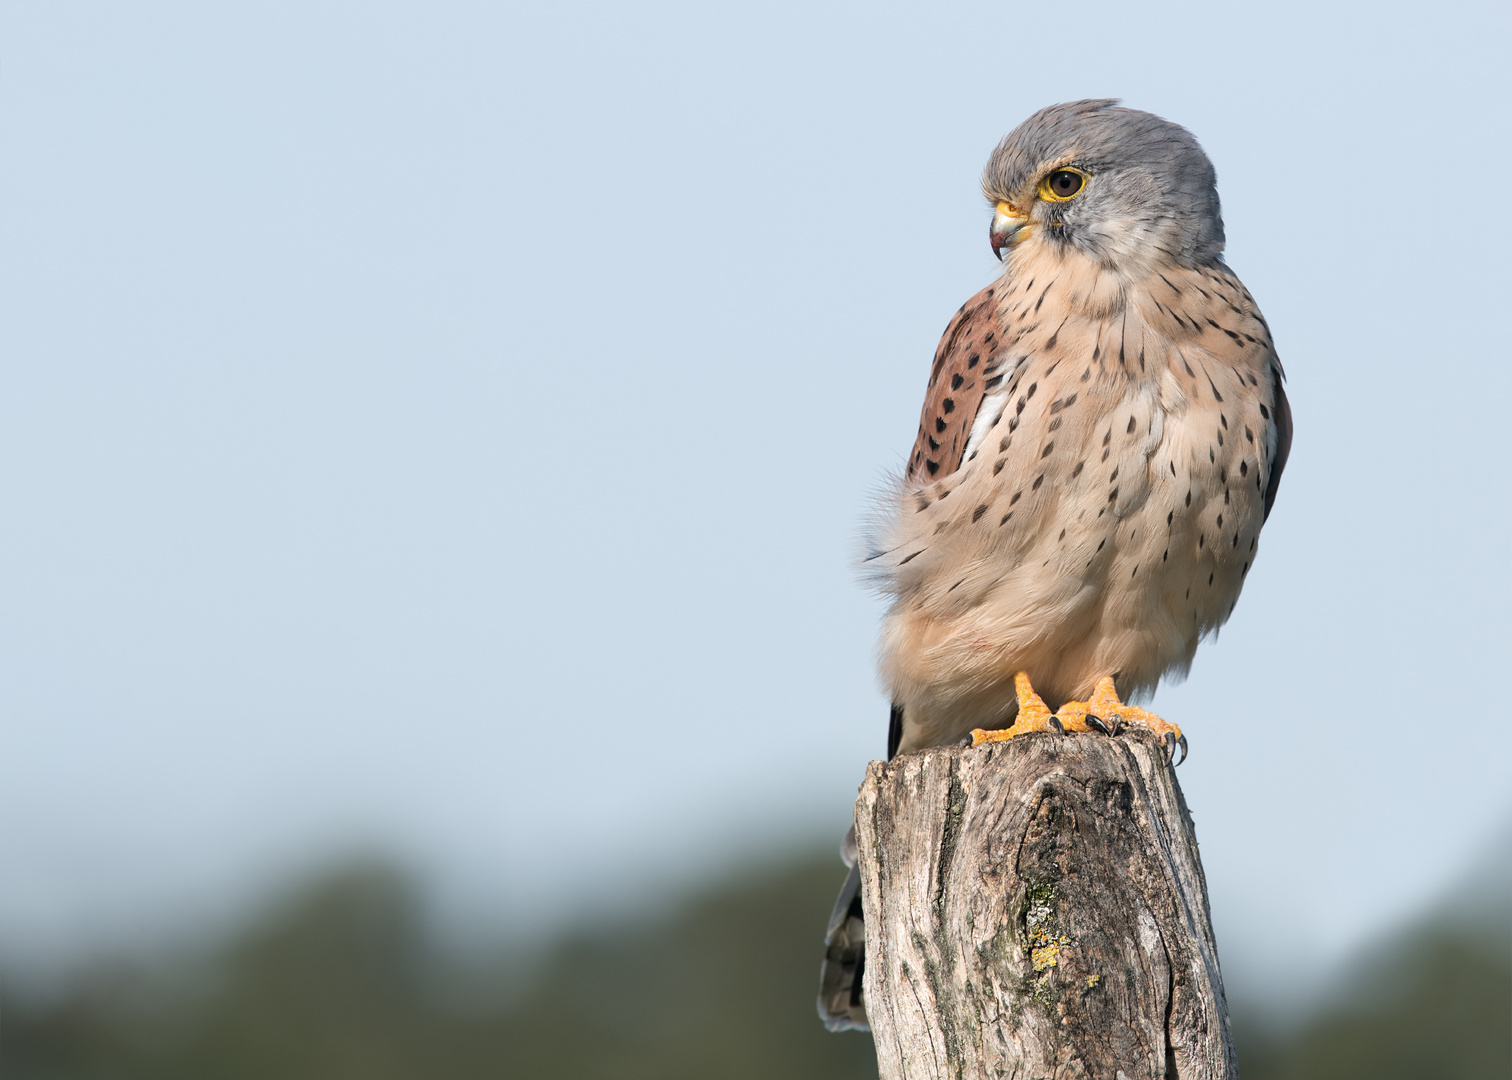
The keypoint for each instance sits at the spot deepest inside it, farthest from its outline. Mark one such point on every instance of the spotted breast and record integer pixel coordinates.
(1086, 494)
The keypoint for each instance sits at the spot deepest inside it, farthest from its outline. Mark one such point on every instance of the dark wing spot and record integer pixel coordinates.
(1130, 429)
(976, 515)
(932, 466)
(1077, 471)
(956, 380)
(1038, 480)
(1046, 451)
(949, 406)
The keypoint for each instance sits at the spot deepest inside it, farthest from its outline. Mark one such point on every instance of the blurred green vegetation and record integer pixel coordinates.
(1435, 1005)
(342, 981)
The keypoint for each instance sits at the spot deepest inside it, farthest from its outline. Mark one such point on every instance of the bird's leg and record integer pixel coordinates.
(1105, 706)
(1033, 715)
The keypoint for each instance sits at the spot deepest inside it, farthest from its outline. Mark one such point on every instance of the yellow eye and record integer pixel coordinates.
(1062, 184)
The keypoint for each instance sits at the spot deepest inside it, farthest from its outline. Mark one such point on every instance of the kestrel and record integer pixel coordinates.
(1102, 439)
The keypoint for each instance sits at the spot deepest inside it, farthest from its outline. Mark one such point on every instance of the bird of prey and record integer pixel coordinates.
(1102, 438)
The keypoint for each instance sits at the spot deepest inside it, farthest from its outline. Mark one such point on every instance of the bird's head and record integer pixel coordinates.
(1123, 187)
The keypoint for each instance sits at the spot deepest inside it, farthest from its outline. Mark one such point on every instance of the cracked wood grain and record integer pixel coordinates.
(1036, 909)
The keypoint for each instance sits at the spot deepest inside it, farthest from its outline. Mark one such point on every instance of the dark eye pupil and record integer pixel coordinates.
(1065, 183)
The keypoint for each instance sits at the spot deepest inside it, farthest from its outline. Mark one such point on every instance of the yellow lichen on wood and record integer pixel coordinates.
(1046, 956)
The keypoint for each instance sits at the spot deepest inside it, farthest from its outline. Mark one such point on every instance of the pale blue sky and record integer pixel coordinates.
(446, 428)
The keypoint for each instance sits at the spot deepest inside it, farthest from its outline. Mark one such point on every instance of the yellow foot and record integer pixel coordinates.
(1033, 715)
(1105, 706)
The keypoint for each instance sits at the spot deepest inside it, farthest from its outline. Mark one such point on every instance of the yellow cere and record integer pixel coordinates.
(1007, 209)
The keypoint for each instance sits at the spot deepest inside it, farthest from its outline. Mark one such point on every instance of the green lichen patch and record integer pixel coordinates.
(1043, 940)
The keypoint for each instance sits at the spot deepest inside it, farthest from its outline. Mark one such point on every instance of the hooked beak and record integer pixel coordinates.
(1007, 228)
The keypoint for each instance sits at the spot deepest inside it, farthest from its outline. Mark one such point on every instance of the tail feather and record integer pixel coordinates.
(840, 1004)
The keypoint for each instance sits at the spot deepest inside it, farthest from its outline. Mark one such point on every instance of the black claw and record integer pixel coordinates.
(1182, 742)
(1170, 744)
(1055, 723)
(1099, 724)
(966, 741)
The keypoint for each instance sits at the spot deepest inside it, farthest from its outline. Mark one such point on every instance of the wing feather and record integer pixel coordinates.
(1282, 418)
(956, 389)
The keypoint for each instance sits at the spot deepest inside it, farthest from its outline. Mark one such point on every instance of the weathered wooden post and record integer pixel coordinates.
(1036, 909)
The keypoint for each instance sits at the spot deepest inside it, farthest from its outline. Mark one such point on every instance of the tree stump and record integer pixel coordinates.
(1036, 909)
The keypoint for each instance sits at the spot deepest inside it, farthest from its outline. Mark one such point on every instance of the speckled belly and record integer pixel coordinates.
(1098, 530)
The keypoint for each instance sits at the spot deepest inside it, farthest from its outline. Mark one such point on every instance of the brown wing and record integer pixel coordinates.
(1282, 418)
(955, 389)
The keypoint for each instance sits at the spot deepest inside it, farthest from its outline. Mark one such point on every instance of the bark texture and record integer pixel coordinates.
(1036, 909)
